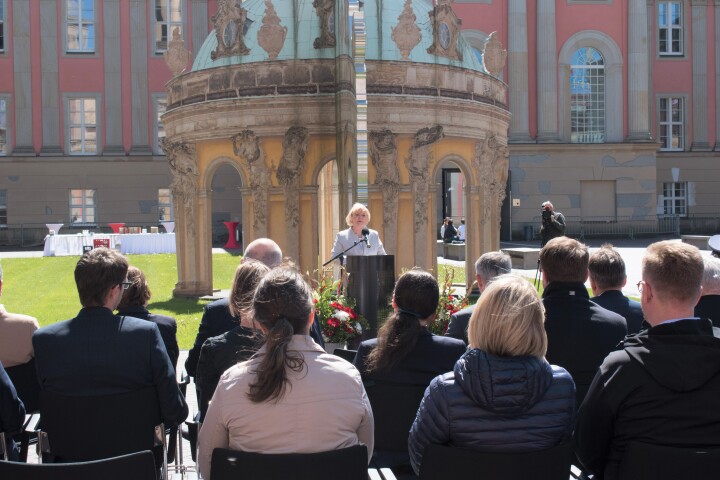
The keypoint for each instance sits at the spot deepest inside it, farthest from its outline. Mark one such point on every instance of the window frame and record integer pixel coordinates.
(8, 136)
(170, 24)
(169, 205)
(83, 222)
(674, 199)
(157, 98)
(668, 53)
(3, 27)
(670, 123)
(67, 98)
(3, 207)
(66, 37)
(602, 138)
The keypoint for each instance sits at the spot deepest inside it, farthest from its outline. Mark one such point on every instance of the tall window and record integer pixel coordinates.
(675, 198)
(80, 25)
(672, 124)
(2, 27)
(168, 16)
(587, 97)
(83, 125)
(670, 28)
(160, 107)
(3, 208)
(165, 206)
(82, 206)
(3, 123)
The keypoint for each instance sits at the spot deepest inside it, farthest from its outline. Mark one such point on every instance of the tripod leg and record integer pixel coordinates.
(537, 276)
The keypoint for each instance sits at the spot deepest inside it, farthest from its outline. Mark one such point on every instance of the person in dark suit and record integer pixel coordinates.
(100, 353)
(12, 414)
(134, 304)
(487, 267)
(580, 333)
(607, 278)
(709, 304)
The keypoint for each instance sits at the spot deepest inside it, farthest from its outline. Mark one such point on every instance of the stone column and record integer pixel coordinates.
(638, 72)
(518, 71)
(22, 95)
(199, 27)
(50, 90)
(113, 79)
(546, 73)
(700, 80)
(138, 74)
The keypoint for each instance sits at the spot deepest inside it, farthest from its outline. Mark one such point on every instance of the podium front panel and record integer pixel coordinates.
(371, 280)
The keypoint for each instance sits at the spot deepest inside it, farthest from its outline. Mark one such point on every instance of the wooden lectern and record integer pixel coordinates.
(371, 280)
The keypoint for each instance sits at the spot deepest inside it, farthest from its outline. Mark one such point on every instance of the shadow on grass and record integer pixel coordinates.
(179, 306)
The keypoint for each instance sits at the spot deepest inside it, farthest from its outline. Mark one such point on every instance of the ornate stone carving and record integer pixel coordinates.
(383, 154)
(446, 30)
(271, 36)
(288, 173)
(246, 145)
(406, 34)
(325, 9)
(177, 56)
(494, 56)
(491, 164)
(229, 23)
(184, 186)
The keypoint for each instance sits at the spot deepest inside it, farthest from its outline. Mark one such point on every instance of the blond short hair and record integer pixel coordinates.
(509, 319)
(358, 207)
(674, 270)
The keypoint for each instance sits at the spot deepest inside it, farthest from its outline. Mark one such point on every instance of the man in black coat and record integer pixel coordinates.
(580, 333)
(709, 304)
(663, 387)
(487, 267)
(553, 223)
(607, 279)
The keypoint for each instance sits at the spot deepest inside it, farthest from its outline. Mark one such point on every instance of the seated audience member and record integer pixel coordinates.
(461, 230)
(450, 233)
(134, 304)
(291, 396)
(487, 267)
(663, 387)
(405, 351)
(217, 318)
(239, 344)
(709, 304)
(100, 353)
(12, 415)
(607, 278)
(16, 332)
(503, 396)
(580, 332)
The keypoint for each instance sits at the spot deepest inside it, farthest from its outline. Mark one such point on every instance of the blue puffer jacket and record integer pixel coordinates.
(495, 404)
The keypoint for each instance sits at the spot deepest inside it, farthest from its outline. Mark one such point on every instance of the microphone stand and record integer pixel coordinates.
(364, 239)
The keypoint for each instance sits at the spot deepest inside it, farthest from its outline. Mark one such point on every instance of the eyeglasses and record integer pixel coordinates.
(125, 285)
(640, 285)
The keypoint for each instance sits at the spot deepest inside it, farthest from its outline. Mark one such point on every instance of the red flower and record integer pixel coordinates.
(333, 322)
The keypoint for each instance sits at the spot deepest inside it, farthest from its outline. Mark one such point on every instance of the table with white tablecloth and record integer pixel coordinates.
(138, 243)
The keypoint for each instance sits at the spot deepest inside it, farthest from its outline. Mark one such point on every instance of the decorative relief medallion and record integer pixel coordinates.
(246, 145)
(406, 34)
(325, 9)
(271, 36)
(230, 23)
(177, 56)
(494, 56)
(446, 30)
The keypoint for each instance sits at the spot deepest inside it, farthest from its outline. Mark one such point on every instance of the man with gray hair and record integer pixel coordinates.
(487, 267)
(709, 304)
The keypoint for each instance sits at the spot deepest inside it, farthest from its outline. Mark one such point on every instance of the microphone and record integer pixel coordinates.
(365, 233)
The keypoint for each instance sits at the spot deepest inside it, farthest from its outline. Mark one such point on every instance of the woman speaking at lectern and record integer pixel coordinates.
(369, 240)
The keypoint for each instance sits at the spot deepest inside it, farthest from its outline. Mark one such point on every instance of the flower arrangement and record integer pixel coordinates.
(335, 310)
(449, 303)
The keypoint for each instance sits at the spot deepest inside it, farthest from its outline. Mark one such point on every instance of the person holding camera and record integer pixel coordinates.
(553, 223)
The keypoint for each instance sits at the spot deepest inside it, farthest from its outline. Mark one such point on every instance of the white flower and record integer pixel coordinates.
(358, 327)
(341, 315)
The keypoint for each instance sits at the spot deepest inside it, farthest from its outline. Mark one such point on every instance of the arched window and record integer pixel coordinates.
(587, 96)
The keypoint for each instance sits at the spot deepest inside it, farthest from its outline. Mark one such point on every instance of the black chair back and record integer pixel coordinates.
(136, 466)
(443, 462)
(394, 409)
(644, 461)
(82, 428)
(346, 463)
(24, 378)
(348, 355)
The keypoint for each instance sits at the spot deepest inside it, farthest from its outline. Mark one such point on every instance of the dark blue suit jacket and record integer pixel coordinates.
(615, 301)
(99, 353)
(457, 328)
(167, 326)
(12, 413)
(709, 307)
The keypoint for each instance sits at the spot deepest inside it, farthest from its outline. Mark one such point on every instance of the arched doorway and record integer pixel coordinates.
(226, 204)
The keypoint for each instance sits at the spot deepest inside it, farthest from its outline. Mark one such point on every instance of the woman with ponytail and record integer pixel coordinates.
(405, 351)
(290, 397)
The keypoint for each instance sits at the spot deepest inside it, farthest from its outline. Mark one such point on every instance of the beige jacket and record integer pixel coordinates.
(325, 407)
(16, 337)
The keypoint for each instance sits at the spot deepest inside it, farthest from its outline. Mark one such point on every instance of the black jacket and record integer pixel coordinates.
(709, 307)
(495, 404)
(663, 388)
(12, 413)
(457, 328)
(167, 326)
(552, 227)
(580, 332)
(615, 301)
(215, 321)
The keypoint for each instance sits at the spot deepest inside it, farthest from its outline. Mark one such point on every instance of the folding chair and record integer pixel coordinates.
(658, 462)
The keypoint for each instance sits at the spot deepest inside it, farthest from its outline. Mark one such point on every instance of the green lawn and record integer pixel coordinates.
(45, 288)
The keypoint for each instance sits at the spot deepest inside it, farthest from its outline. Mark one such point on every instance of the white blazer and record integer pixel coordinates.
(347, 237)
